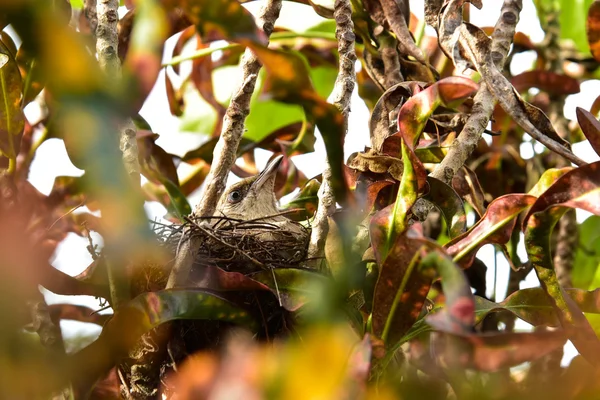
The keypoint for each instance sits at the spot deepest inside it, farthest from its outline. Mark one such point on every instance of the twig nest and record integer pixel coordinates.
(232, 245)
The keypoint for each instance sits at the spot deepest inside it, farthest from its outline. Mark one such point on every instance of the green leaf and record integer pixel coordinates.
(579, 188)
(586, 265)
(572, 15)
(533, 305)
(12, 119)
(179, 202)
(293, 287)
(306, 199)
(450, 205)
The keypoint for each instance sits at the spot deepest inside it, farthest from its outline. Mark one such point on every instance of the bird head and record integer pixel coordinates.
(252, 197)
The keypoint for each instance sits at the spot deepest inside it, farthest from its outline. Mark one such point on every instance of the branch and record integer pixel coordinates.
(89, 10)
(107, 44)
(107, 39)
(224, 154)
(342, 94)
(483, 105)
(484, 102)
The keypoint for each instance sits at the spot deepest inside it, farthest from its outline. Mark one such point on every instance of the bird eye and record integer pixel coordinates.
(234, 196)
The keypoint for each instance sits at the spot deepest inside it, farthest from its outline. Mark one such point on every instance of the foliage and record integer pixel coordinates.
(402, 309)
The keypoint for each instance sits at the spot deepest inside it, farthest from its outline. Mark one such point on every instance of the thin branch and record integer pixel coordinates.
(107, 44)
(483, 104)
(342, 94)
(225, 151)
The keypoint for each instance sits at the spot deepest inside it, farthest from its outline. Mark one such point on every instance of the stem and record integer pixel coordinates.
(274, 37)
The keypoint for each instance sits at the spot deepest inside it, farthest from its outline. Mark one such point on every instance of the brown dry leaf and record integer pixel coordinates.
(371, 161)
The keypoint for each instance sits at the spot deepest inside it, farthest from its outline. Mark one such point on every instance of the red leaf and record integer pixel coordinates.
(590, 128)
(547, 81)
(494, 227)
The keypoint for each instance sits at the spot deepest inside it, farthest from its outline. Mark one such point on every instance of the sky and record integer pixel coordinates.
(51, 159)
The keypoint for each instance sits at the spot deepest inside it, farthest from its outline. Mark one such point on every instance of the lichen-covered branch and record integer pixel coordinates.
(89, 10)
(107, 44)
(483, 103)
(225, 152)
(342, 93)
(107, 38)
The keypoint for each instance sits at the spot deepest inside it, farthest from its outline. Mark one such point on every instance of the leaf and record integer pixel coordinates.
(495, 226)
(380, 126)
(449, 204)
(12, 119)
(587, 257)
(592, 27)
(491, 352)
(75, 312)
(201, 75)
(458, 315)
(139, 316)
(400, 291)
(448, 92)
(144, 55)
(222, 19)
(174, 98)
(539, 222)
(466, 184)
(31, 72)
(397, 14)
(306, 200)
(533, 305)
(179, 203)
(548, 178)
(288, 80)
(548, 81)
(293, 287)
(269, 115)
(447, 23)
(390, 223)
(589, 124)
(578, 188)
(157, 165)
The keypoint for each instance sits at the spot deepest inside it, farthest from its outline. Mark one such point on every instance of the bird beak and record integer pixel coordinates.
(267, 176)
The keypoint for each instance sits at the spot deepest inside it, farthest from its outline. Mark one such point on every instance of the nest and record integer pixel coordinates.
(244, 247)
(238, 246)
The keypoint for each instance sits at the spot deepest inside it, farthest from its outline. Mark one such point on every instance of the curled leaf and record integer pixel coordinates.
(12, 119)
(590, 127)
(495, 226)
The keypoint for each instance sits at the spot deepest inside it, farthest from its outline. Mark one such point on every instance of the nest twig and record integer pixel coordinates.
(243, 246)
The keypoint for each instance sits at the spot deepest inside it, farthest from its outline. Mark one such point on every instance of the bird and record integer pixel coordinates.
(253, 199)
